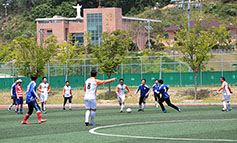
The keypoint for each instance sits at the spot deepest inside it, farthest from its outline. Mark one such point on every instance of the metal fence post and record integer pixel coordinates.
(160, 67)
(66, 70)
(122, 70)
(222, 63)
(48, 72)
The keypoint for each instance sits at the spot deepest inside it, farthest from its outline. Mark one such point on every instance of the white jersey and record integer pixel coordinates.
(91, 88)
(121, 89)
(225, 90)
(44, 87)
(67, 91)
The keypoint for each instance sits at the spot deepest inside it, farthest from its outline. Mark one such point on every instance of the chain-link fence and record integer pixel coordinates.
(140, 67)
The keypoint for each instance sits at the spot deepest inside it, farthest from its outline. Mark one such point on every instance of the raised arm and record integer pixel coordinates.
(99, 82)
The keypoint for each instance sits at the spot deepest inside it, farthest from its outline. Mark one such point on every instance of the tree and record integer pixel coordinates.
(195, 46)
(112, 51)
(222, 36)
(31, 58)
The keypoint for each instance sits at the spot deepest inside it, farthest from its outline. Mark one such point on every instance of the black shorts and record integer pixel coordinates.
(14, 101)
(142, 99)
(31, 107)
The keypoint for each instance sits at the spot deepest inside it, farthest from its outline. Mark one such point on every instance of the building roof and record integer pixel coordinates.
(140, 19)
(205, 23)
(57, 18)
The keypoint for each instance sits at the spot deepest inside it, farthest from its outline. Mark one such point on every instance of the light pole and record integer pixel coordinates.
(5, 6)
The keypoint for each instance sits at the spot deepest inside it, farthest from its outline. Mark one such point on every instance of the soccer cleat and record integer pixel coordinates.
(24, 122)
(63, 108)
(44, 112)
(164, 111)
(179, 110)
(70, 109)
(223, 110)
(87, 123)
(121, 111)
(21, 112)
(42, 121)
(139, 110)
(228, 110)
(9, 109)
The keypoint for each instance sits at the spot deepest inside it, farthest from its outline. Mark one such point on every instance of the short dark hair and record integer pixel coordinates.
(16, 79)
(67, 81)
(161, 81)
(33, 77)
(143, 79)
(44, 78)
(93, 73)
(223, 78)
(156, 80)
(121, 79)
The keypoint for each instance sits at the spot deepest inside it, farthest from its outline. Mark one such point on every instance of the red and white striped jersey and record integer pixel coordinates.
(19, 92)
(226, 89)
(121, 89)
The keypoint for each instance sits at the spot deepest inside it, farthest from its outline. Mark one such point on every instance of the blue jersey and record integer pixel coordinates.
(164, 91)
(13, 90)
(31, 92)
(144, 90)
(156, 88)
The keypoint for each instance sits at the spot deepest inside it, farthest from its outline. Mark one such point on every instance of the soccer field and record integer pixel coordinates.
(198, 124)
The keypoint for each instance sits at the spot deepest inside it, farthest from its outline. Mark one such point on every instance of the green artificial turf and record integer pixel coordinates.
(204, 122)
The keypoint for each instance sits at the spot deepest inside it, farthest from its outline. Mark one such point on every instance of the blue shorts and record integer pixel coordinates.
(20, 100)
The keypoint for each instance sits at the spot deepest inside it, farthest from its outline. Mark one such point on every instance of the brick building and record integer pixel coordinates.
(95, 20)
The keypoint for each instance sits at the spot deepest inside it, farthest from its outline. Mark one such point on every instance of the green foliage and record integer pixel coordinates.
(222, 35)
(195, 46)
(31, 58)
(112, 51)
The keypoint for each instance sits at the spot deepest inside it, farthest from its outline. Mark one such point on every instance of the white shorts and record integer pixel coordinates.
(90, 103)
(43, 97)
(121, 99)
(226, 97)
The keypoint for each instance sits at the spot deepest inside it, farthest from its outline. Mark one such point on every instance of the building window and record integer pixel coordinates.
(78, 37)
(49, 32)
(94, 26)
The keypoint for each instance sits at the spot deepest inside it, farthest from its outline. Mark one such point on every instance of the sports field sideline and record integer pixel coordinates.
(198, 124)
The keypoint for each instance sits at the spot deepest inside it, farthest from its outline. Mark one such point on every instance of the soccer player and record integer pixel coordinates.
(120, 91)
(226, 94)
(44, 89)
(31, 98)
(165, 97)
(156, 91)
(144, 93)
(67, 94)
(13, 96)
(19, 95)
(90, 89)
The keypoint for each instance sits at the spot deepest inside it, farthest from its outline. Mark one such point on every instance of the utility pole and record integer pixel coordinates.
(5, 7)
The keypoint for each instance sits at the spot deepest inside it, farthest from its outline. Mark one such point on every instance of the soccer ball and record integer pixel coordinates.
(129, 110)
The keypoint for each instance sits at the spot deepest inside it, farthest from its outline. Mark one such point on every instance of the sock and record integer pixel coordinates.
(21, 110)
(63, 106)
(143, 107)
(10, 106)
(39, 116)
(224, 104)
(140, 106)
(229, 106)
(122, 106)
(92, 116)
(42, 106)
(16, 109)
(26, 117)
(156, 103)
(87, 115)
(70, 105)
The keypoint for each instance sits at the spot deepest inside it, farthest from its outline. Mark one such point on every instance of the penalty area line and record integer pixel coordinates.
(93, 131)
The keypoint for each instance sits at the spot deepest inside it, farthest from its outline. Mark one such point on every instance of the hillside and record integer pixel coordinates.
(22, 13)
